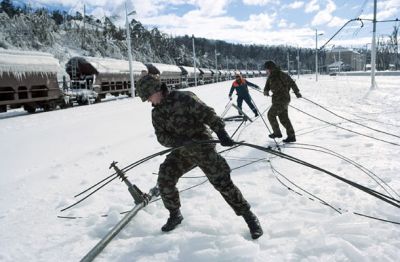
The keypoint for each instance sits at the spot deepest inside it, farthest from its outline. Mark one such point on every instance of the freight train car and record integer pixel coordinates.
(92, 78)
(29, 79)
(171, 75)
(206, 76)
(189, 75)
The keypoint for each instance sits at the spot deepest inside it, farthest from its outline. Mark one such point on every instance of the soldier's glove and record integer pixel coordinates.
(230, 97)
(155, 191)
(266, 93)
(298, 95)
(224, 138)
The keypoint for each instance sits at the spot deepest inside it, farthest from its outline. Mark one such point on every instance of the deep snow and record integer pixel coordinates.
(46, 158)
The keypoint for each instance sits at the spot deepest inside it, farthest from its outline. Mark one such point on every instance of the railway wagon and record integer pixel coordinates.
(263, 73)
(215, 74)
(189, 75)
(171, 75)
(29, 79)
(232, 74)
(206, 76)
(102, 75)
(249, 73)
(224, 75)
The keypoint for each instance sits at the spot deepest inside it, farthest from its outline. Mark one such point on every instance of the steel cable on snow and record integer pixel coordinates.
(349, 120)
(186, 189)
(299, 133)
(363, 169)
(110, 178)
(288, 157)
(358, 133)
(140, 161)
(374, 120)
(324, 202)
(367, 190)
(382, 140)
(291, 182)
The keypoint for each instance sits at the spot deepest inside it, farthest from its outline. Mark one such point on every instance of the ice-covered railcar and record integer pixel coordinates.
(189, 75)
(102, 76)
(29, 79)
(206, 76)
(171, 75)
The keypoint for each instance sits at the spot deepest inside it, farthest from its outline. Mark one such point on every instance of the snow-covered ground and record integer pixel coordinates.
(47, 158)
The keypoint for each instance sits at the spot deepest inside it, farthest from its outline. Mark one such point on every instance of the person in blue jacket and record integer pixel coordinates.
(240, 85)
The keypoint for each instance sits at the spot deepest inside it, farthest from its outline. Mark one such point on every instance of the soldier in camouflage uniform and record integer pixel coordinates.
(280, 84)
(179, 118)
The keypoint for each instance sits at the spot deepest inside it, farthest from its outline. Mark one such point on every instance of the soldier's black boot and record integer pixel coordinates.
(275, 135)
(175, 218)
(289, 139)
(253, 224)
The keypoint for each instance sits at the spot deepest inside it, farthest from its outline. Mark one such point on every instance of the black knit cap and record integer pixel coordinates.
(269, 64)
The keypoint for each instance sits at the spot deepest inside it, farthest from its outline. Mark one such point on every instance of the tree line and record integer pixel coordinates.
(41, 29)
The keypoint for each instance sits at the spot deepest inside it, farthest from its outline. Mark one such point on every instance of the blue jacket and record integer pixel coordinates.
(241, 88)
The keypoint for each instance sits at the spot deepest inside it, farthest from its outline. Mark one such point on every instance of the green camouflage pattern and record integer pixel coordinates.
(280, 111)
(280, 84)
(148, 85)
(211, 163)
(182, 117)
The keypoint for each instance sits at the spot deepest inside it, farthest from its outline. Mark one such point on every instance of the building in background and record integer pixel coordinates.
(344, 59)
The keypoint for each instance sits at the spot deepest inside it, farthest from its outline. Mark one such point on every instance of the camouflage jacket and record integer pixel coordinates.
(182, 116)
(280, 84)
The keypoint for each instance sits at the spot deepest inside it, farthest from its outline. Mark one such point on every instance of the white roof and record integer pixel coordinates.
(110, 65)
(166, 69)
(206, 70)
(191, 70)
(19, 63)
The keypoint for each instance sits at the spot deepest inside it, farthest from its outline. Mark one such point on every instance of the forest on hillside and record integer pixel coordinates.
(66, 35)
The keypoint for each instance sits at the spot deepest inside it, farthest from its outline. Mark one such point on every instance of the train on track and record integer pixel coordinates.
(36, 80)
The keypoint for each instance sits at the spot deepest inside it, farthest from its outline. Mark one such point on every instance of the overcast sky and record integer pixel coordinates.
(269, 22)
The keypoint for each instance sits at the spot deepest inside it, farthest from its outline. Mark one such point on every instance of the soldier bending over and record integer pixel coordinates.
(179, 118)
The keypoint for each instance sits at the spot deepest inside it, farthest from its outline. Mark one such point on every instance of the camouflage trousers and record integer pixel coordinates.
(215, 167)
(280, 111)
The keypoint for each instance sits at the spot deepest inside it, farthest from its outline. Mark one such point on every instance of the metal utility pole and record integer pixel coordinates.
(288, 63)
(340, 62)
(298, 63)
(128, 39)
(365, 58)
(194, 62)
(316, 54)
(83, 29)
(373, 50)
(216, 65)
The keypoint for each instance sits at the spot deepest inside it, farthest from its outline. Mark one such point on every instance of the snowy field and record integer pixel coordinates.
(47, 158)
